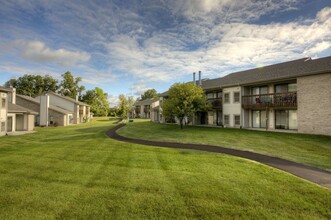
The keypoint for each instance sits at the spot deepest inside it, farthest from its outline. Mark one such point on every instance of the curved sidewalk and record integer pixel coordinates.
(312, 174)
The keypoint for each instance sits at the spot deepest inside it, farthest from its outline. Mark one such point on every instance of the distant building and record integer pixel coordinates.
(148, 108)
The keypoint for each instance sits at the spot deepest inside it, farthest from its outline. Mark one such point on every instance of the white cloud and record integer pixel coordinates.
(318, 48)
(113, 100)
(228, 47)
(38, 52)
(162, 41)
(138, 88)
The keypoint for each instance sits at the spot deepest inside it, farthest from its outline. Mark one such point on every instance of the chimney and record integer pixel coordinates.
(12, 95)
(200, 78)
(44, 105)
(76, 98)
(194, 78)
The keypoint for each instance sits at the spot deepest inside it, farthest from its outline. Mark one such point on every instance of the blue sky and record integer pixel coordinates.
(128, 46)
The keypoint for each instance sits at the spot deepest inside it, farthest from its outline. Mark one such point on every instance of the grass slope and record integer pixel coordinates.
(313, 150)
(78, 172)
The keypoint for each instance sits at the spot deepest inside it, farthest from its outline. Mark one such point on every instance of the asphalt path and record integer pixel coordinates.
(312, 174)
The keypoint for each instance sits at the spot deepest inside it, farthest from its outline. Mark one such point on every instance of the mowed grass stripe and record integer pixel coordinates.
(48, 175)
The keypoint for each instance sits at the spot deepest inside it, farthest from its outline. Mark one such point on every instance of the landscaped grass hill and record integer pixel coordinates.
(314, 150)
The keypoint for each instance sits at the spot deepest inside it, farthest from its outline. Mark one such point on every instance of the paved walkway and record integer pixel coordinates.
(309, 173)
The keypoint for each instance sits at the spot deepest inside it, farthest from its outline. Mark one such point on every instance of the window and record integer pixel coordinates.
(3, 101)
(260, 90)
(210, 95)
(226, 119)
(284, 88)
(236, 97)
(226, 97)
(237, 120)
(70, 119)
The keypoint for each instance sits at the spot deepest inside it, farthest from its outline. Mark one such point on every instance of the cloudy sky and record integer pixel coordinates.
(128, 46)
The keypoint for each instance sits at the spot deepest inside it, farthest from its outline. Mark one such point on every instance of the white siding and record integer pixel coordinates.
(231, 108)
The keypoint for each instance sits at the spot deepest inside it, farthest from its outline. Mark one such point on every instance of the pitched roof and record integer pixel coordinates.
(146, 101)
(67, 98)
(287, 70)
(14, 108)
(4, 89)
(52, 107)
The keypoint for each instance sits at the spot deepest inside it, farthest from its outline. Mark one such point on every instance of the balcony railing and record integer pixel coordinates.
(147, 109)
(216, 103)
(137, 110)
(272, 100)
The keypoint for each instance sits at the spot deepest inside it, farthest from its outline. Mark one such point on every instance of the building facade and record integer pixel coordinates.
(148, 108)
(294, 95)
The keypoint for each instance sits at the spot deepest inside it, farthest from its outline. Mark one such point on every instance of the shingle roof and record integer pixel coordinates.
(145, 102)
(67, 98)
(13, 108)
(287, 70)
(4, 89)
(52, 107)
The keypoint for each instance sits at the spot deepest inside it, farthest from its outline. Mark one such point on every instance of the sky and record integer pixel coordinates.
(129, 46)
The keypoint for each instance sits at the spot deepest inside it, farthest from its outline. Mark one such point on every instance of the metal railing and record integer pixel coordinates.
(275, 100)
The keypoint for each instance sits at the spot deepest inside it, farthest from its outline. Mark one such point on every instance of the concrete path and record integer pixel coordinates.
(312, 174)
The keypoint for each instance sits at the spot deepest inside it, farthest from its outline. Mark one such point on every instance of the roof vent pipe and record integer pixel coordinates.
(200, 78)
(194, 78)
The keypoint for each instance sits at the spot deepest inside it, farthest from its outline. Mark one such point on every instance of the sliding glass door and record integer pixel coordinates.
(259, 119)
(286, 119)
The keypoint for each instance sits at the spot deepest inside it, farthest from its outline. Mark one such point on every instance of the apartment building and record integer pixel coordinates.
(148, 108)
(294, 95)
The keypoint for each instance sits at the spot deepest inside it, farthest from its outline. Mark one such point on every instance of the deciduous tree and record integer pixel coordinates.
(149, 94)
(184, 100)
(69, 85)
(125, 106)
(97, 99)
(33, 85)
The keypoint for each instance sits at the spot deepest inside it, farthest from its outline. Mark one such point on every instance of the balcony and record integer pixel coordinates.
(137, 110)
(147, 109)
(216, 103)
(272, 100)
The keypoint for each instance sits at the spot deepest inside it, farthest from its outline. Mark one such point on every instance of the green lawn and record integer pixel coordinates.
(313, 150)
(77, 172)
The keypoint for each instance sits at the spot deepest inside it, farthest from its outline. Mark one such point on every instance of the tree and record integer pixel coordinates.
(97, 99)
(33, 85)
(69, 85)
(125, 106)
(184, 100)
(122, 106)
(149, 94)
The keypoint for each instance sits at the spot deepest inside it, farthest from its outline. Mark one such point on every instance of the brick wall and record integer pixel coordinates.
(314, 104)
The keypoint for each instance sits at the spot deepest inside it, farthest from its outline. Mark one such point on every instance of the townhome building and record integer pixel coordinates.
(294, 95)
(80, 111)
(13, 117)
(3, 110)
(55, 110)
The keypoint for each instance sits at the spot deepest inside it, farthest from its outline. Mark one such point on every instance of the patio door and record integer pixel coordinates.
(9, 124)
